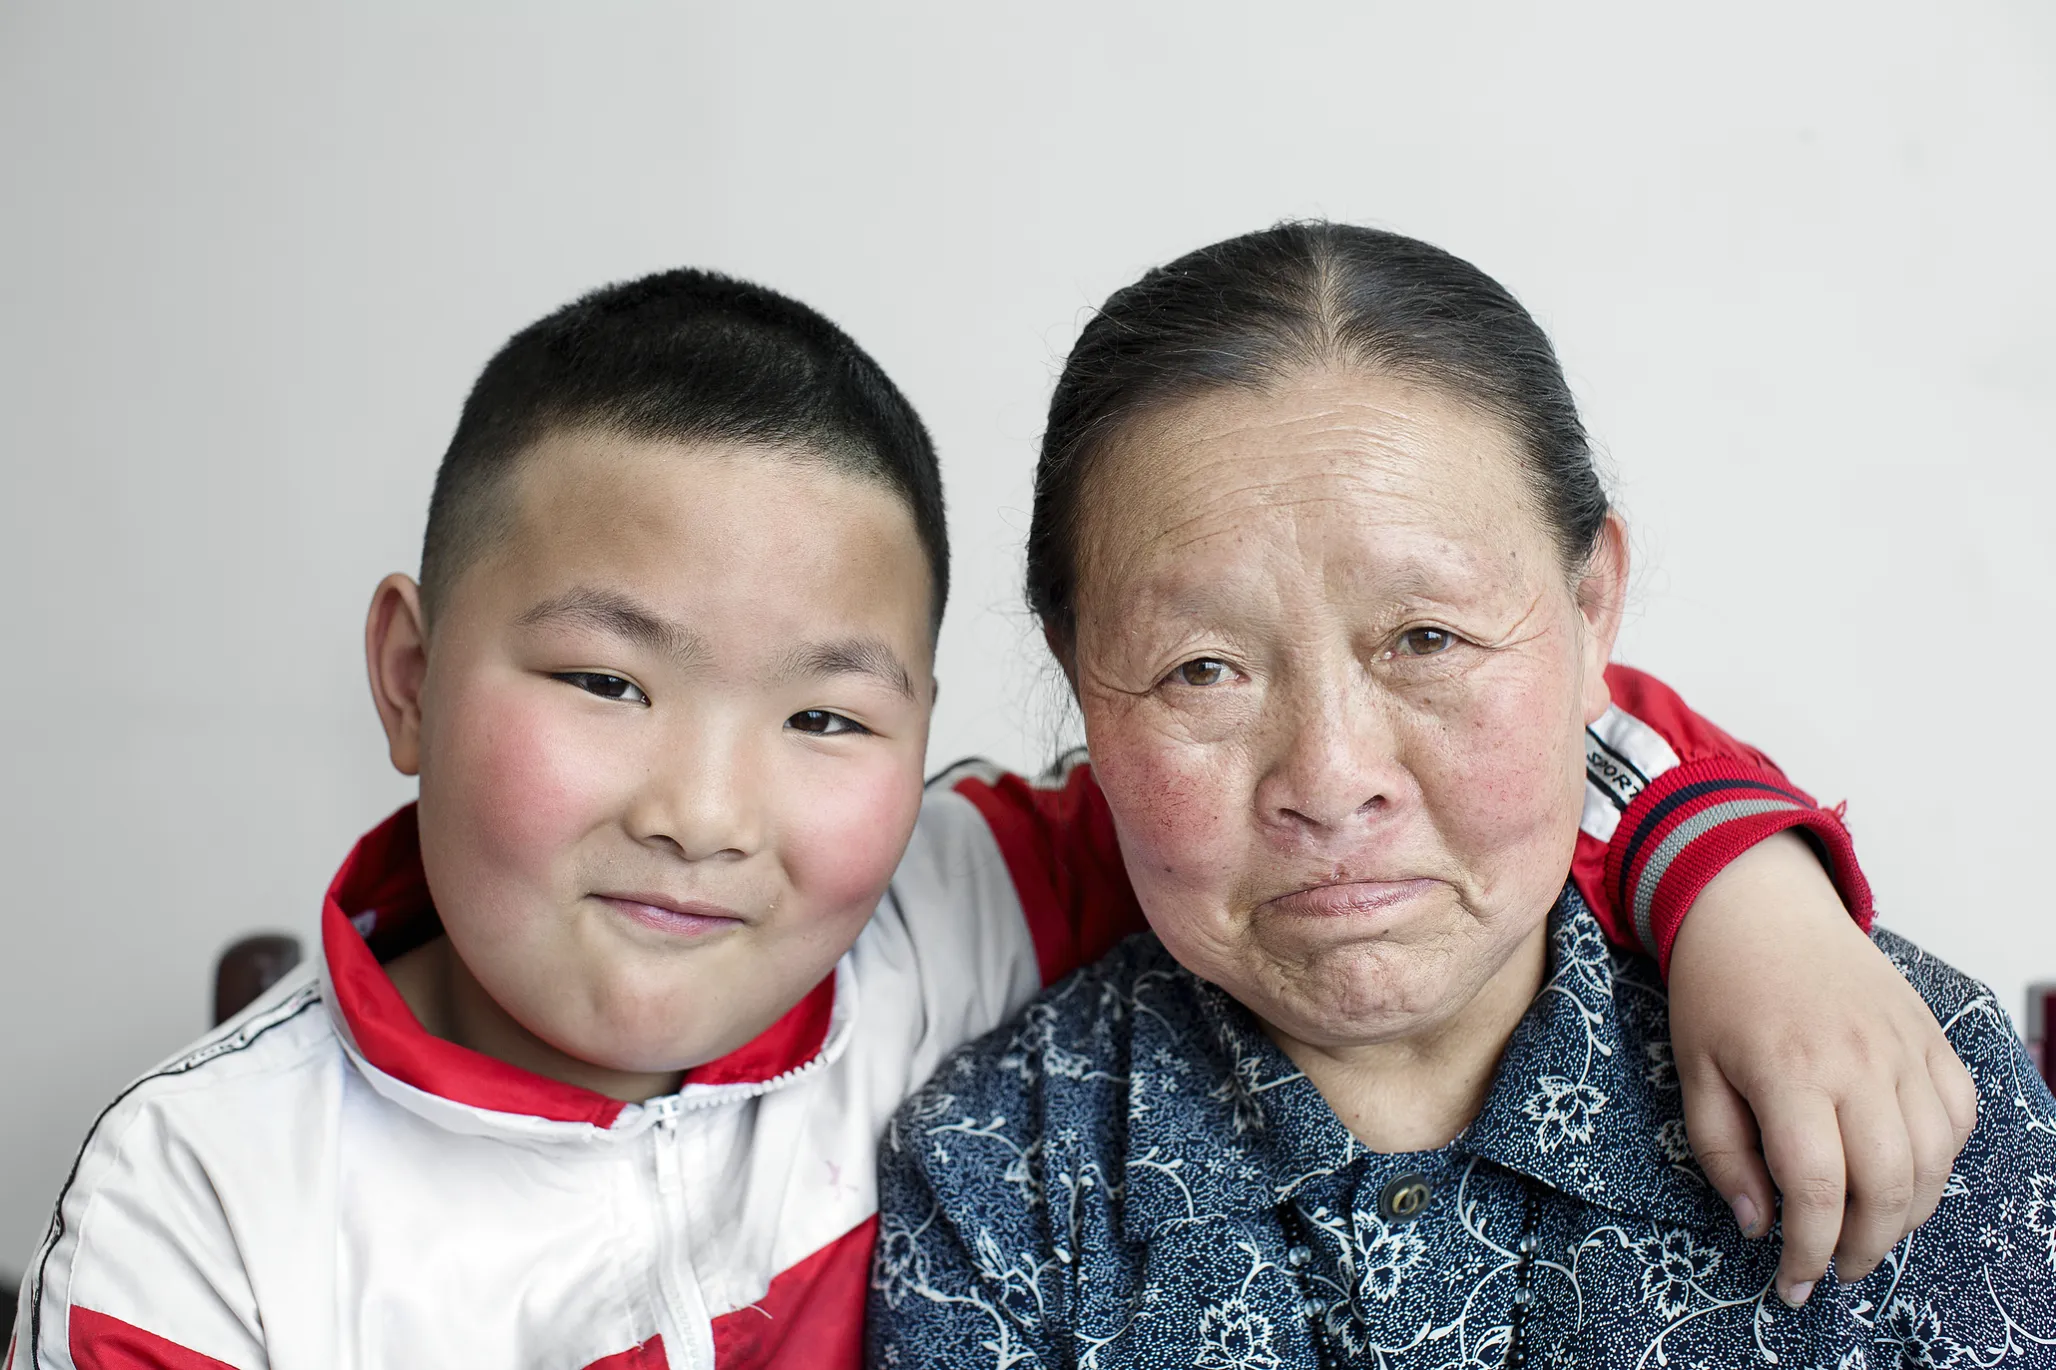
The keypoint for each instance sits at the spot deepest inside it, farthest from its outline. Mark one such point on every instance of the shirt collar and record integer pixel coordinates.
(379, 905)
(1585, 1100)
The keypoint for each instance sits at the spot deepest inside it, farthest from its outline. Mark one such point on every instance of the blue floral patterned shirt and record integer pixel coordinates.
(1133, 1174)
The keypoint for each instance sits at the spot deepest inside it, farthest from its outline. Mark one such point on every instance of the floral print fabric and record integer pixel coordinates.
(1132, 1174)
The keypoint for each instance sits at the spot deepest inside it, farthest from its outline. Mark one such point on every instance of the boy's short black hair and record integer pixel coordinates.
(691, 356)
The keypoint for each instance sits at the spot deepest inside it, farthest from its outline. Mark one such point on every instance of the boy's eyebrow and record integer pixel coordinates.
(611, 612)
(851, 656)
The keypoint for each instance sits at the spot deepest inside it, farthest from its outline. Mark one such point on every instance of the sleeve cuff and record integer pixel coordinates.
(1693, 820)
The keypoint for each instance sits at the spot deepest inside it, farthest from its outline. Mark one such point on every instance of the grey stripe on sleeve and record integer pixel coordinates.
(1681, 837)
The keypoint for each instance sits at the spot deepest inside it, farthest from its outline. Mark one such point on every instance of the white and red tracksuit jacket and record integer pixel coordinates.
(320, 1183)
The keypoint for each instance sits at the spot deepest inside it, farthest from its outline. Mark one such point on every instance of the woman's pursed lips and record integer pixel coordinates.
(1335, 898)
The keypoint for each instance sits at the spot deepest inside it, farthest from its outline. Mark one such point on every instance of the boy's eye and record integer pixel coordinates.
(822, 723)
(1202, 672)
(604, 685)
(1424, 642)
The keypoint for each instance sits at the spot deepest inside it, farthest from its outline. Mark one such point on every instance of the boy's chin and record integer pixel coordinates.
(670, 1048)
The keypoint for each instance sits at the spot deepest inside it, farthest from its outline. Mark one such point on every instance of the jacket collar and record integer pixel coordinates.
(1585, 1100)
(378, 906)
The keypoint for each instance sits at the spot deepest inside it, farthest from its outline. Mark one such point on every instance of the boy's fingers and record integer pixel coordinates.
(1958, 1092)
(1935, 1143)
(1802, 1142)
(1722, 1131)
(1880, 1175)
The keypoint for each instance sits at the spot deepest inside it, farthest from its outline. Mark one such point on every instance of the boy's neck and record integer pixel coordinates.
(449, 1003)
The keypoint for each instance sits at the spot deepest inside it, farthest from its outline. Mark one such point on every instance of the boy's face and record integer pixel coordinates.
(670, 736)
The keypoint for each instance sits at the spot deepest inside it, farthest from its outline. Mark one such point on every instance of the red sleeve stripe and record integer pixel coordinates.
(812, 1316)
(1692, 821)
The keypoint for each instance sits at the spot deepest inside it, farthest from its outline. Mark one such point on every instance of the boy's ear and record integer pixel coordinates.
(1602, 600)
(396, 657)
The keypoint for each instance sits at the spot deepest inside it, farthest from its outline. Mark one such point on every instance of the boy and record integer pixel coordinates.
(591, 1070)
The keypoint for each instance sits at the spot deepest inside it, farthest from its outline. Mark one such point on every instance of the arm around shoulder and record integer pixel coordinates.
(1671, 800)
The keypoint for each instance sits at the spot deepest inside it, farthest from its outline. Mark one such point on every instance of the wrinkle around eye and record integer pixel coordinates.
(1099, 680)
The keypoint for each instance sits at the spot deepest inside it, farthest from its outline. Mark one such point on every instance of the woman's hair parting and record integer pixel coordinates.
(688, 356)
(1253, 311)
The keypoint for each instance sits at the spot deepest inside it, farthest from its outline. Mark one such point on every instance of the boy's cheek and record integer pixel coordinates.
(845, 838)
(517, 775)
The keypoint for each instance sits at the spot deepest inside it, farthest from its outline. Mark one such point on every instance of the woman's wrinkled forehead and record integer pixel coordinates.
(1197, 486)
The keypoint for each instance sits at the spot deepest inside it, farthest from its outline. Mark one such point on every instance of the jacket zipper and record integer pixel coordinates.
(674, 1262)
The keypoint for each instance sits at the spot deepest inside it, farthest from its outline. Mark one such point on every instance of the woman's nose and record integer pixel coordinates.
(699, 796)
(1335, 764)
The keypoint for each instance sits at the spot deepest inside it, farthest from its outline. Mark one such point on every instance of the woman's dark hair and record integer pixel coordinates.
(690, 356)
(1252, 311)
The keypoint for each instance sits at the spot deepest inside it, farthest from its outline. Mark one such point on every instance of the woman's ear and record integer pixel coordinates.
(1602, 592)
(396, 657)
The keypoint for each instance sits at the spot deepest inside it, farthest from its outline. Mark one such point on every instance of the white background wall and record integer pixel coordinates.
(1797, 258)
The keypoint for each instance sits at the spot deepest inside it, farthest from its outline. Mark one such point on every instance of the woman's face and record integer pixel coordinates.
(1335, 680)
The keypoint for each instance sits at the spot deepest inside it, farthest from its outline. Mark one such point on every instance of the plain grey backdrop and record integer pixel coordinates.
(1797, 257)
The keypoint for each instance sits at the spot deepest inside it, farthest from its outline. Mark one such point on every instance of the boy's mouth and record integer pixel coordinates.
(687, 918)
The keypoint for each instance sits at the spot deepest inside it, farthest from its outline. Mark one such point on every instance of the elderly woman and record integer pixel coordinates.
(1318, 542)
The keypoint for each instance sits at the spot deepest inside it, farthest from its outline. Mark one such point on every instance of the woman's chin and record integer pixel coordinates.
(1351, 992)
(1315, 984)
(1340, 1006)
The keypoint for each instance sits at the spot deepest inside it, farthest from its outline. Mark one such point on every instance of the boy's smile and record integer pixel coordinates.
(683, 918)
(670, 729)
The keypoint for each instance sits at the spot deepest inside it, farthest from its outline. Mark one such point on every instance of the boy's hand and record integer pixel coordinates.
(1788, 1024)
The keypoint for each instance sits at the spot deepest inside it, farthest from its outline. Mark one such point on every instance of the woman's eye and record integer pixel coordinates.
(1424, 642)
(822, 723)
(604, 685)
(1202, 672)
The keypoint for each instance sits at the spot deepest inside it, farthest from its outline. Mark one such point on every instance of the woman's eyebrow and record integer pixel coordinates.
(850, 656)
(611, 612)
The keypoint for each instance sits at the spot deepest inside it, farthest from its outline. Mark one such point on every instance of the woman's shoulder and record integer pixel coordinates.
(1948, 991)
(2015, 1108)
(1982, 1271)
(1034, 1106)
(1069, 1046)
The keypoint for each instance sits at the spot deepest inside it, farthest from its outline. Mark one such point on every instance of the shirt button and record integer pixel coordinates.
(1404, 1198)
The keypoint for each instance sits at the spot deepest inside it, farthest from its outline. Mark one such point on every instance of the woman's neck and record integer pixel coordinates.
(1417, 1093)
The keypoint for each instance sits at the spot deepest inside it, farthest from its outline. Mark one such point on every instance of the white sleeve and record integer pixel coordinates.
(952, 931)
(142, 1267)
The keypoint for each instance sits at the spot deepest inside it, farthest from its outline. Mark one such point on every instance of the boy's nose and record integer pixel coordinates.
(694, 801)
